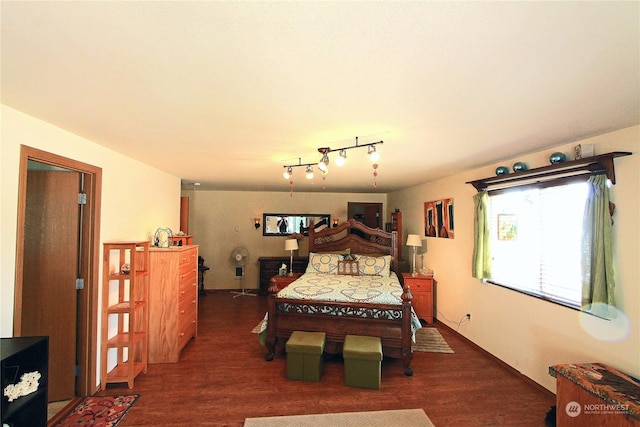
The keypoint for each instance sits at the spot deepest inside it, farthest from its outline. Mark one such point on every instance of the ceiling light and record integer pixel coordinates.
(288, 172)
(341, 158)
(323, 164)
(309, 172)
(373, 154)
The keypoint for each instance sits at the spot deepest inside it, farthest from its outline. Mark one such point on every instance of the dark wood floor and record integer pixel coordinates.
(222, 378)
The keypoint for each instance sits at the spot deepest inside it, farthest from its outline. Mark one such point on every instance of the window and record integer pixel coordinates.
(536, 240)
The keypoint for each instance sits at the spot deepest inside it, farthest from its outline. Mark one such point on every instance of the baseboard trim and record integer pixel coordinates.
(498, 360)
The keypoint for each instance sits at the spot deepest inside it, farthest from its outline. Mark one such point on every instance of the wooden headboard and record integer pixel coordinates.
(356, 236)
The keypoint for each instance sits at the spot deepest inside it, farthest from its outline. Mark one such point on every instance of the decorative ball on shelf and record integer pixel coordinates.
(502, 170)
(557, 157)
(519, 167)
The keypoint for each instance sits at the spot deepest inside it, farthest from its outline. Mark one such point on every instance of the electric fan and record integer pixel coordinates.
(237, 260)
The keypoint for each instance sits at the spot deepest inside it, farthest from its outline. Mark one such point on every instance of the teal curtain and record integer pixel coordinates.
(481, 263)
(597, 251)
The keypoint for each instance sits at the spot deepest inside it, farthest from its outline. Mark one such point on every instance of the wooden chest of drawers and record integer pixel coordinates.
(422, 290)
(173, 301)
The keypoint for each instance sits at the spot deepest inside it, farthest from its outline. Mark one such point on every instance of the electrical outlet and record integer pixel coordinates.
(469, 316)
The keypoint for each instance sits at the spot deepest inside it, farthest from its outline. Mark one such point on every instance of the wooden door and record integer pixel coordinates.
(370, 214)
(50, 265)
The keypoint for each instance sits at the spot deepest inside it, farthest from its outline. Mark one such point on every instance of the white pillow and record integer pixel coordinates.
(323, 263)
(374, 266)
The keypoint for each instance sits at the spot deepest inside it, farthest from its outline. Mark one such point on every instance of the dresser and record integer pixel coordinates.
(269, 267)
(422, 290)
(173, 301)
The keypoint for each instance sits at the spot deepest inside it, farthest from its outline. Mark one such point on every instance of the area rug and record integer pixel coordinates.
(401, 417)
(430, 340)
(99, 411)
(427, 340)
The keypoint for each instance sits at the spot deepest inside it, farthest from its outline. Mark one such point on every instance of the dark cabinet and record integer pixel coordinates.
(20, 356)
(269, 267)
(370, 214)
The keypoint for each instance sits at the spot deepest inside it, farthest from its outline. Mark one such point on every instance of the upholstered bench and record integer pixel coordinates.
(362, 360)
(304, 355)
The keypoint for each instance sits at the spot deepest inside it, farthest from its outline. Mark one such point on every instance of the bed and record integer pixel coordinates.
(313, 303)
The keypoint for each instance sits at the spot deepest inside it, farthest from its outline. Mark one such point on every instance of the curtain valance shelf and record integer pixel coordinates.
(578, 166)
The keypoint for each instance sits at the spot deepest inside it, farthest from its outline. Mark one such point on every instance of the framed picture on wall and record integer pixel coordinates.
(438, 218)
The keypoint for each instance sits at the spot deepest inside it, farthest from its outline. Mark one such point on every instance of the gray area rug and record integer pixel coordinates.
(430, 340)
(400, 417)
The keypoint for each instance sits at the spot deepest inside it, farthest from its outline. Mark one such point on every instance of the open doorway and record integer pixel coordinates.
(57, 249)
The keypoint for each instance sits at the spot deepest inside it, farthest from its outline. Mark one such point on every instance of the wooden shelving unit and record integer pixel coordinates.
(125, 312)
(602, 162)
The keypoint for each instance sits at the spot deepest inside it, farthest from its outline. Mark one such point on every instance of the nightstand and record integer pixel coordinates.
(422, 290)
(283, 281)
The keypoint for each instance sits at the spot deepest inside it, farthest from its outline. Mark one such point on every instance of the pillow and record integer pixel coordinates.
(374, 265)
(349, 268)
(323, 263)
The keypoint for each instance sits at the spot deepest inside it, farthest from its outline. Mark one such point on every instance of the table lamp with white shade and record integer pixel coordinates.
(414, 241)
(291, 245)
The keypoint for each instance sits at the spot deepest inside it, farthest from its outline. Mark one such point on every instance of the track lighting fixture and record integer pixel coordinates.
(323, 164)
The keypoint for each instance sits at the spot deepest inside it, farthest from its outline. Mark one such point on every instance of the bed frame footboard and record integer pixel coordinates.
(340, 319)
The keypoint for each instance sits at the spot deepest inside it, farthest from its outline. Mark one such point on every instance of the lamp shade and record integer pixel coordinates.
(291, 245)
(414, 240)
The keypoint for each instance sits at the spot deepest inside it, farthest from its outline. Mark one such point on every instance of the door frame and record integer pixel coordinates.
(86, 340)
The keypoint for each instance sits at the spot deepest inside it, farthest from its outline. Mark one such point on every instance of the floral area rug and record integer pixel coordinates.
(99, 411)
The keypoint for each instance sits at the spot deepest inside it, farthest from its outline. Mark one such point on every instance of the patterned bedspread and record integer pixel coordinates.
(344, 288)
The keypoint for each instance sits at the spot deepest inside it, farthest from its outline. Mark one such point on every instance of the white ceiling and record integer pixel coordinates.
(226, 93)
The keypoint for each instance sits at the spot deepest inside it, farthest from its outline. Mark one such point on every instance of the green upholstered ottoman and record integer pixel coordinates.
(362, 359)
(304, 355)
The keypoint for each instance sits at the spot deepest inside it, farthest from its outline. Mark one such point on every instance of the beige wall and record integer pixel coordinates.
(223, 220)
(136, 198)
(527, 333)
